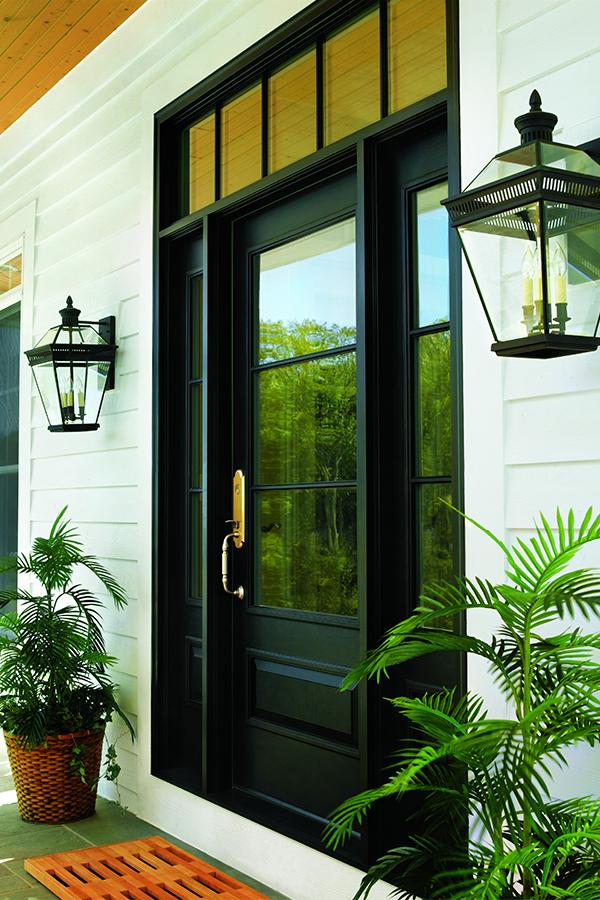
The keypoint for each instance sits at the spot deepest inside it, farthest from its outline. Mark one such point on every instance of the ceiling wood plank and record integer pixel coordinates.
(42, 40)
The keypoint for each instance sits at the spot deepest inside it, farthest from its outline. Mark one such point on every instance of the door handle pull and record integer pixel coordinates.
(237, 533)
(239, 591)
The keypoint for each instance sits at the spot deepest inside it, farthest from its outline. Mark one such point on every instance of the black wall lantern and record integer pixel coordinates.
(530, 228)
(73, 367)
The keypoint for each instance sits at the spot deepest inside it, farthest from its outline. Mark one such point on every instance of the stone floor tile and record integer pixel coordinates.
(38, 843)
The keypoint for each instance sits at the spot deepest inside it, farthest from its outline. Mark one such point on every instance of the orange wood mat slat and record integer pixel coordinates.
(148, 867)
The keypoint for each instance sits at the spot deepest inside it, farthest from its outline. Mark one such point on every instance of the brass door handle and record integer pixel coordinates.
(237, 533)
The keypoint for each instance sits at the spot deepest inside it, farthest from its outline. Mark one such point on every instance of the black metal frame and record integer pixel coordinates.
(277, 48)
(61, 354)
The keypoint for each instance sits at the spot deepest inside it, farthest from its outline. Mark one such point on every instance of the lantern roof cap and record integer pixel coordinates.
(536, 125)
(536, 154)
(69, 314)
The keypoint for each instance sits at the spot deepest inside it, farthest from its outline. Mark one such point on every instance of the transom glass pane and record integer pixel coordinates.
(293, 112)
(307, 294)
(417, 50)
(202, 163)
(352, 78)
(241, 142)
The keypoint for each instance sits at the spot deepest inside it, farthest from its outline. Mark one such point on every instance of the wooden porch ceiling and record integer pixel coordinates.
(42, 40)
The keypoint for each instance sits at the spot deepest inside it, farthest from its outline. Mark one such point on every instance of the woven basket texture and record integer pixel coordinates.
(48, 790)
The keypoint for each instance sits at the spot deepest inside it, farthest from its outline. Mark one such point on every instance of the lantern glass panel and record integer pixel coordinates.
(569, 159)
(504, 253)
(573, 268)
(536, 153)
(82, 334)
(46, 384)
(81, 391)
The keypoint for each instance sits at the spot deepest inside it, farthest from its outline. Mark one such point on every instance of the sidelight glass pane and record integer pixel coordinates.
(307, 294)
(306, 550)
(9, 486)
(196, 327)
(9, 387)
(10, 273)
(241, 144)
(417, 50)
(434, 411)
(195, 418)
(307, 416)
(435, 534)
(196, 546)
(433, 287)
(351, 62)
(293, 112)
(202, 163)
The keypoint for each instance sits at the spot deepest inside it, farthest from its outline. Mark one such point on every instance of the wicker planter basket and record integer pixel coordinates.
(48, 790)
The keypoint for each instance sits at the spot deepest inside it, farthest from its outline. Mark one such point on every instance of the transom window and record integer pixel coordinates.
(387, 58)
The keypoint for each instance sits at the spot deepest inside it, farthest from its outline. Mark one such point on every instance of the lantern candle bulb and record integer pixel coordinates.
(528, 271)
(559, 270)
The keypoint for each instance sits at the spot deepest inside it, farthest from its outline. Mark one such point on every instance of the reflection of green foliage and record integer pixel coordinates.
(284, 340)
(435, 457)
(307, 415)
(436, 552)
(435, 414)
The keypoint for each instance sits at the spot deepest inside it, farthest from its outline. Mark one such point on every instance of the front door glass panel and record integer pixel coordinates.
(304, 392)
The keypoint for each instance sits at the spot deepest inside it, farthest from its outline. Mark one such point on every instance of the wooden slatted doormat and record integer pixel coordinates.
(148, 867)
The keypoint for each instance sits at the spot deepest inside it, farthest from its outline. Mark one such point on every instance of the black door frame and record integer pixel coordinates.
(215, 226)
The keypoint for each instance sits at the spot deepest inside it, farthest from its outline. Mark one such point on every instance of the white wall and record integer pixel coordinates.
(83, 154)
(532, 430)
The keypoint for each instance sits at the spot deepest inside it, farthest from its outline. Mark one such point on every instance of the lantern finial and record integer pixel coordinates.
(535, 125)
(535, 101)
(70, 315)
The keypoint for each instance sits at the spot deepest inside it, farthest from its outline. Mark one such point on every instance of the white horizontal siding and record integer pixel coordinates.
(548, 451)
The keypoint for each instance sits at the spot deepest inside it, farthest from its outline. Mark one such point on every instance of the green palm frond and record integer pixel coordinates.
(53, 658)
(462, 764)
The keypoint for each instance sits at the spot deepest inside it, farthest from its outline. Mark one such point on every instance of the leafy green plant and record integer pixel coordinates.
(53, 659)
(496, 774)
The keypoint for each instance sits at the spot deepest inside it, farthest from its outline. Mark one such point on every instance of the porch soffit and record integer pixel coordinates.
(42, 40)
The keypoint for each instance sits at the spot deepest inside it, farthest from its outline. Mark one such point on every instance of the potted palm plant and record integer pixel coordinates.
(56, 695)
(496, 774)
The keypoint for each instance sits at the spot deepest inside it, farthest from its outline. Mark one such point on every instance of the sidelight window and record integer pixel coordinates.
(10, 295)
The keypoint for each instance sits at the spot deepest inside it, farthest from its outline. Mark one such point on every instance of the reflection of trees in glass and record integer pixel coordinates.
(286, 339)
(437, 556)
(434, 437)
(435, 414)
(307, 421)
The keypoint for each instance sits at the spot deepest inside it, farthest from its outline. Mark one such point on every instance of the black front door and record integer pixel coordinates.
(295, 738)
